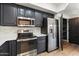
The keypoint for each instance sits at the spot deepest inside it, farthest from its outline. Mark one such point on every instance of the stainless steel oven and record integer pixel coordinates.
(26, 44)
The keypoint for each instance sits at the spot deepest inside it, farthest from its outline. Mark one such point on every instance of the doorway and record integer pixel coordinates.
(62, 32)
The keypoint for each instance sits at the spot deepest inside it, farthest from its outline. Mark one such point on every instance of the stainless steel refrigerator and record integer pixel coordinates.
(52, 32)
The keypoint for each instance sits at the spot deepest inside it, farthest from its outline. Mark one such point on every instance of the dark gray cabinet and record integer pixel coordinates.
(9, 14)
(38, 19)
(74, 30)
(44, 25)
(45, 16)
(29, 13)
(4, 49)
(8, 48)
(18, 47)
(41, 44)
(0, 13)
(21, 11)
(12, 48)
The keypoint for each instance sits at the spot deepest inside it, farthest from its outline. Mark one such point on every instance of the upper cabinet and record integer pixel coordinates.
(25, 12)
(29, 13)
(45, 15)
(38, 19)
(21, 11)
(9, 14)
(0, 14)
(50, 15)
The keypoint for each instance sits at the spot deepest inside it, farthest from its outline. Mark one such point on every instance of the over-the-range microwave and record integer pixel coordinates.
(23, 21)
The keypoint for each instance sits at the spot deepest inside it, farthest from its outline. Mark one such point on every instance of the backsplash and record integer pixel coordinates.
(10, 33)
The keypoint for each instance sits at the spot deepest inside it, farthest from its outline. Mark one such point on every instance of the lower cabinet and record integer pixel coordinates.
(12, 48)
(41, 44)
(8, 48)
(4, 49)
(18, 48)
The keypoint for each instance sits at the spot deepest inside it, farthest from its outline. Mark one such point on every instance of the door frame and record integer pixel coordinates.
(60, 23)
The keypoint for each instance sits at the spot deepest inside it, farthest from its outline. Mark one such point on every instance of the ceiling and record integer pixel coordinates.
(60, 6)
(72, 10)
(69, 10)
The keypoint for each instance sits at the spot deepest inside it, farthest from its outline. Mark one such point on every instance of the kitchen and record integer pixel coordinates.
(19, 22)
(26, 30)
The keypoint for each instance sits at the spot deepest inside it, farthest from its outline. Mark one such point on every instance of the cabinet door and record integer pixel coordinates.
(74, 30)
(9, 14)
(21, 12)
(4, 49)
(71, 32)
(38, 19)
(29, 13)
(45, 16)
(41, 44)
(0, 13)
(18, 47)
(12, 48)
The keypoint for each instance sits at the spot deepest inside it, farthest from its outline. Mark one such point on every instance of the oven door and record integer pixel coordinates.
(27, 47)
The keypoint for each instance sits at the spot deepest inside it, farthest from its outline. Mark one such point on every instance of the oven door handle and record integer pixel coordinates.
(19, 40)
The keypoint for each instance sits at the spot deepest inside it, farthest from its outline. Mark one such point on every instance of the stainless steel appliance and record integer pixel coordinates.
(23, 21)
(52, 40)
(26, 44)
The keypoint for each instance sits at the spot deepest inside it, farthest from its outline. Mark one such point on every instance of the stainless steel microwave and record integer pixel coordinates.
(23, 21)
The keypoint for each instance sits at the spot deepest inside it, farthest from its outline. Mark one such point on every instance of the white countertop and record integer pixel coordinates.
(38, 35)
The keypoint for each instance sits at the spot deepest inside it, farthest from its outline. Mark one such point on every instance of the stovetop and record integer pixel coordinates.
(27, 37)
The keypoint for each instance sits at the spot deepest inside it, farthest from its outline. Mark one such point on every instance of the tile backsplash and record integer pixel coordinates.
(10, 33)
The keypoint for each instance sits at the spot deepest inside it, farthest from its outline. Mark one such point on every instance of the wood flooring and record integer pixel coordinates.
(68, 50)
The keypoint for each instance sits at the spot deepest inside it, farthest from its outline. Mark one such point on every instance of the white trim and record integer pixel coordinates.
(67, 30)
(59, 35)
